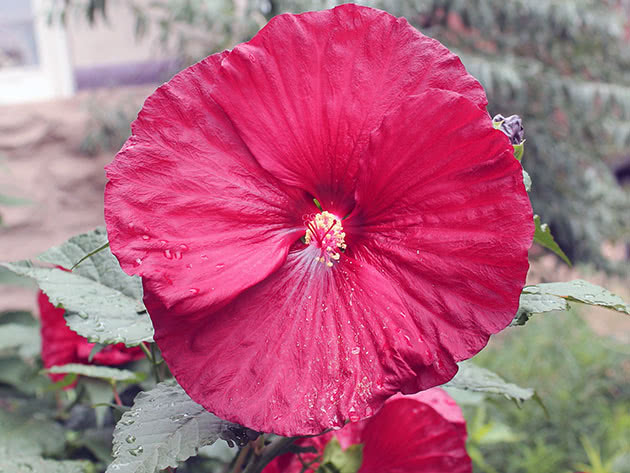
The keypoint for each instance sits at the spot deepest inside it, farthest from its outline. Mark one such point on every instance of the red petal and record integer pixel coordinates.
(443, 213)
(61, 346)
(306, 91)
(186, 201)
(410, 434)
(302, 351)
(422, 433)
(59, 343)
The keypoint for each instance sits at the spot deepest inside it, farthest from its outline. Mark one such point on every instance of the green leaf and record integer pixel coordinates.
(102, 303)
(337, 460)
(165, 427)
(23, 434)
(33, 464)
(23, 338)
(536, 303)
(13, 201)
(547, 297)
(579, 291)
(100, 372)
(543, 237)
(23, 376)
(475, 378)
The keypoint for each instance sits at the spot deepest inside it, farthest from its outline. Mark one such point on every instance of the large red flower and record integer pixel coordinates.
(61, 346)
(285, 318)
(421, 433)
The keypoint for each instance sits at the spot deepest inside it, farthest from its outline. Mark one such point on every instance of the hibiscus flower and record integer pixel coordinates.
(322, 217)
(421, 433)
(61, 346)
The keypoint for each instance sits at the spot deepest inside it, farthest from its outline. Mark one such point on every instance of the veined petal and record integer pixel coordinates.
(306, 91)
(304, 350)
(188, 208)
(443, 213)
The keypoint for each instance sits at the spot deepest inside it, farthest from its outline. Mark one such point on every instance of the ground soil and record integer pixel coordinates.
(40, 161)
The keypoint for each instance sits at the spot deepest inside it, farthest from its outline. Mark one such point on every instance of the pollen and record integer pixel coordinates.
(324, 231)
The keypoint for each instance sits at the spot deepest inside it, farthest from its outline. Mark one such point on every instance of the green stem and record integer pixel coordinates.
(150, 354)
(240, 459)
(271, 451)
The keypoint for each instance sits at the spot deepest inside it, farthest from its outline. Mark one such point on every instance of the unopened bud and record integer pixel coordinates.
(512, 126)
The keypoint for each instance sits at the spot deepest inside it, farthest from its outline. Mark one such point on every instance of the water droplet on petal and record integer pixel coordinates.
(130, 439)
(356, 350)
(138, 261)
(183, 247)
(146, 237)
(193, 290)
(204, 257)
(168, 254)
(220, 265)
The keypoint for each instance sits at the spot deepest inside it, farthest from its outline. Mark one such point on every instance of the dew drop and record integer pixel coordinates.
(352, 415)
(193, 290)
(168, 254)
(183, 247)
(204, 257)
(138, 261)
(146, 237)
(163, 242)
(136, 451)
(220, 265)
(356, 350)
(189, 266)
(83, 315)
(177, 254)
(130, 439)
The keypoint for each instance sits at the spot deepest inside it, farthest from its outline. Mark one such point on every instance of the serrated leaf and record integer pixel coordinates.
(165, 427)
(475, 378)
(100, 372)
(102, 303)
(23, 338)
(28, 464)
(536, 303)
(580, 291)
(543, 237)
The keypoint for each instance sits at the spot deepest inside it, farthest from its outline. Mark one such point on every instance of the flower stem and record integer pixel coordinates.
(240, 459)
(116, 396)
(276, 448)
(151, 356)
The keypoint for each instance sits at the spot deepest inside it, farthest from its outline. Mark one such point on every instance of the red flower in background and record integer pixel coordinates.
(288, 318)
(421, 433)
(61, 346)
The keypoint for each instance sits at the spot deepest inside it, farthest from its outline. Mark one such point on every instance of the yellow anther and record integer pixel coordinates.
(324, 231)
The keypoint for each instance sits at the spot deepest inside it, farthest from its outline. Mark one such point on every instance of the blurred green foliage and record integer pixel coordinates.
(582, 380)
(563, 65)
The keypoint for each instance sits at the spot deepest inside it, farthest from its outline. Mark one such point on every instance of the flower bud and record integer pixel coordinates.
(512, 126)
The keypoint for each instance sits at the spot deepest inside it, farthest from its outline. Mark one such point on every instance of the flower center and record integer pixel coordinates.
(324, 231)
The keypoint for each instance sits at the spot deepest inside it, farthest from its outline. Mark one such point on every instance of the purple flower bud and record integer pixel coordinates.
(512, 126)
